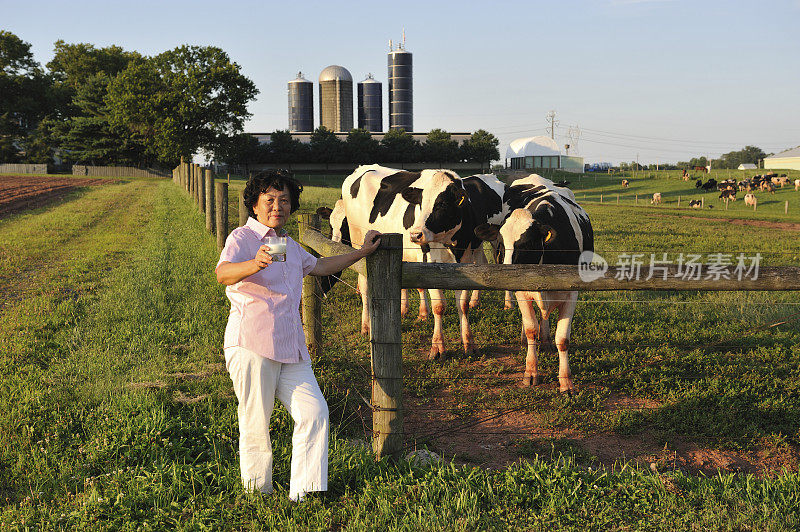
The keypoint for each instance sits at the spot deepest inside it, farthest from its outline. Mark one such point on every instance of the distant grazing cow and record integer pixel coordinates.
(624, 183)
(797, 184)
(728, 194)
(780, 181)
(698, 183)
(709, 185)
(750, 200)
(656, 199)
(546, 226)
(767, 186)
(696, 204)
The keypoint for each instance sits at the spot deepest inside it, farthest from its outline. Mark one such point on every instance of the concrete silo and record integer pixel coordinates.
(301, 104)
(401, 109)
(370, 104)
(336, 99)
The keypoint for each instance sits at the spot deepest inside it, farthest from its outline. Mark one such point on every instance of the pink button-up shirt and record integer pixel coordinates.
(265, 315)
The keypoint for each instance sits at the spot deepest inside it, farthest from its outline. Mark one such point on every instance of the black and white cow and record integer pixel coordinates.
(450, 208)
(546, 226)
(371, 200)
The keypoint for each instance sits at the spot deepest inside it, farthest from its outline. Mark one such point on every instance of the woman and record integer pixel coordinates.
(265, 350)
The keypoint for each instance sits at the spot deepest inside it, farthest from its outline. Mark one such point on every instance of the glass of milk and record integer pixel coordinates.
(277, 248)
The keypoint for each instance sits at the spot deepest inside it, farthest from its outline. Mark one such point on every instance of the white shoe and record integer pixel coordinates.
(298, 497)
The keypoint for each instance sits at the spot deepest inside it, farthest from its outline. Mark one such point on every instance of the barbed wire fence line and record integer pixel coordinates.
(467, 420)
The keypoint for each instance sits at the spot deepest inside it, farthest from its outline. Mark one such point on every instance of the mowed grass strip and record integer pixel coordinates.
(118, 413)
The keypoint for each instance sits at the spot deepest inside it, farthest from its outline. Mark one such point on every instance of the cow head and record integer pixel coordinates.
(522, 238)
(442, 201)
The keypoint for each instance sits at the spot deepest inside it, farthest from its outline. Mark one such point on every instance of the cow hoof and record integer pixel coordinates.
(422, 317)
(474, 304)
(508, 306)
(437, 352)
(365, 330)
(567, 393)
(532, 380)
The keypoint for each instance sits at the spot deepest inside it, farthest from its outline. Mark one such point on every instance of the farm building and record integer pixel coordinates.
(536, 153)
(747, 166)
(785, 160)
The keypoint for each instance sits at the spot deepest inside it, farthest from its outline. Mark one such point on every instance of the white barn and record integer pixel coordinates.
(747, 166)
(536, 153)
(785, 160)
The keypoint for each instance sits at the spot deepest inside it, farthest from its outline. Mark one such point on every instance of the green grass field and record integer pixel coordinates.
(118, 412)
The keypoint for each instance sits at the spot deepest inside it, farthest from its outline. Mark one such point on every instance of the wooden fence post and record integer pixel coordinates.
(210, 202)
(384, 270)
(312, 292)
(221, 210)
(636, 200)
(201, 190)
(192, 177)
(679, 201)
(243, 213)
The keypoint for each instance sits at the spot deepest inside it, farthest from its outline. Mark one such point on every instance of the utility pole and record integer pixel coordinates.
(551, 119)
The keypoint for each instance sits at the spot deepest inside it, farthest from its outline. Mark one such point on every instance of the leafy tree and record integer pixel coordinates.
(480, 147)
(749, 154)
(82, 130)
(285, 149)
(182, 100)
(24, 94)
(242, 148)
(440, 148)
(399, 146)
(361, 147)
(326, 147)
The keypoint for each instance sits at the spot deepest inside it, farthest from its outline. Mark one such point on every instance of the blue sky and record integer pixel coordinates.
(661, 80)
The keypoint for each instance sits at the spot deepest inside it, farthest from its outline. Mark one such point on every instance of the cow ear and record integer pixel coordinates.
(487, 231)
(413, 195)
(461, 196)
(547, 232)
(324, 212)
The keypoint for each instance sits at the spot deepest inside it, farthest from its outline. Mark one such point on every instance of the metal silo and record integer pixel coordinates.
(336, 99)
(301, 104)
(401, 110)
(370, 105)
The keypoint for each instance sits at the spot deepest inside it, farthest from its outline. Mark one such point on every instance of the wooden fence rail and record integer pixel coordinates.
(391, 274)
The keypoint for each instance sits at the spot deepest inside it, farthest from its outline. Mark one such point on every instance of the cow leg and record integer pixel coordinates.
(544, 331)
(362, 289)
(480, 258)
(403, 302)
(509, 300)
(423, 306)
(464, 304)
(531, 328)
(438, 306)
(566, 312)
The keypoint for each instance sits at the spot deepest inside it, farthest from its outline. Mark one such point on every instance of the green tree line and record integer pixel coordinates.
(359, 147)
(110, 106)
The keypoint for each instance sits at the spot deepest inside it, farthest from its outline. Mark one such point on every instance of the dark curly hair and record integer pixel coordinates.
(277, 179)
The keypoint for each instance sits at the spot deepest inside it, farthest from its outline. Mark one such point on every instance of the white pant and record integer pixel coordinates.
(257, 381)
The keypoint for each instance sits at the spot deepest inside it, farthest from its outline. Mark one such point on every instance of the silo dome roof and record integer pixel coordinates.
(335, 72)
(532, 146)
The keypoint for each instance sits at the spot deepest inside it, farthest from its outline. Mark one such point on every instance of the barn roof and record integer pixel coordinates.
(794, 152)
(531, 146)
